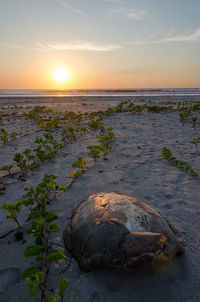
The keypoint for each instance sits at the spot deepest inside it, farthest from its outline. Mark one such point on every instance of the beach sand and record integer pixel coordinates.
(135, 167)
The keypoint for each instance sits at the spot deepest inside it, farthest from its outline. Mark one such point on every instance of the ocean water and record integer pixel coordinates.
(98, 92)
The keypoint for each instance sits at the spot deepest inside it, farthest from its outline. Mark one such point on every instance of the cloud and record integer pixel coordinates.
(15, 46)
(135, 14)
(72, 9)
(81, 46)
(115, 1)
(76, 46)
(194, 36)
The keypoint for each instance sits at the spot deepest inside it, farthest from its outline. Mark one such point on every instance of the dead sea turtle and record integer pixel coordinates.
(110, 229)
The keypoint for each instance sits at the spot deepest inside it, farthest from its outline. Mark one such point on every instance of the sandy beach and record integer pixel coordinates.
(135, 167)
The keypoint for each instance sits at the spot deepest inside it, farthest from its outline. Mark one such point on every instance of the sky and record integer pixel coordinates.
(102, 43)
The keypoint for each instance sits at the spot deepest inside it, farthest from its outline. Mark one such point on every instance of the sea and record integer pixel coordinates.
(99, 92)
(93, 99)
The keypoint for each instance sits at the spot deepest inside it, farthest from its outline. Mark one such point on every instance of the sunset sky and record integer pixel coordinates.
(102, 43)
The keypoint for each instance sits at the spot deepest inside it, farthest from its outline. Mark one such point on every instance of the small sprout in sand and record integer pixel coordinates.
(166, 153)
(95, 151)
(79, 163)
(119, 108)
(13, 134)
(62, 288)
(157, 108)
(68, 134)
(21, 162)
(105, 141)
(187, 168)
(195, 141)
(83, 129)
(47, 148)
(194, 120)
(4, 135)
(28, 154)
(76, 174)
(193, 172)
(40, 154)
(184, 115)
(95, 123)
(6, 168)
(181, 164)
(13, 210)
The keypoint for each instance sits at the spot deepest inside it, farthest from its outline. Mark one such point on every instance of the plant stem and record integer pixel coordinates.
(16, 220)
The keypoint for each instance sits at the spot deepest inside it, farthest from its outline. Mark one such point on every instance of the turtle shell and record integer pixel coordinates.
(110, 229)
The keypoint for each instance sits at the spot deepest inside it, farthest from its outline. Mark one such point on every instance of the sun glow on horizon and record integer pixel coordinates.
(60, 74)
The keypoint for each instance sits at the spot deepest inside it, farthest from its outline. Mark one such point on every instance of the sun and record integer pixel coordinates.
(60, 74)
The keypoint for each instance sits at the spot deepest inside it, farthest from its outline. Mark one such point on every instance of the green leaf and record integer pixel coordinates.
(34, 228)
(30, 272)
(193, 172)
(76, 164)
(52, 299)
(51, 216)
(35, 215)
(12, 208)
(40, 221)
(39, 240)
(5, 168)
(34, 282)
(55, 254)
(187, 168)
(62, 287)
(13, 134)
(6, 206)
(33, 250)
(62, 188)
(52, 154)
(40, 259)
(53, 228)
(51, 185)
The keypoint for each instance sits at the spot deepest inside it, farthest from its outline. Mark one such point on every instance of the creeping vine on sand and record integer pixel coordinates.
(195, 142)
(167, 154)
(42, 226)
(47, 146)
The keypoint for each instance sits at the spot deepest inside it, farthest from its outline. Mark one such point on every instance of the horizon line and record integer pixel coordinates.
(130, 88)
